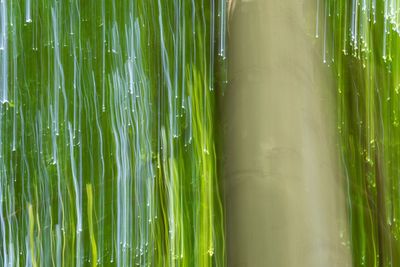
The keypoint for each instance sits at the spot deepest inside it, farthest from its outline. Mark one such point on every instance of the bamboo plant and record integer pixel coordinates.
(107, 126)
(361, 39)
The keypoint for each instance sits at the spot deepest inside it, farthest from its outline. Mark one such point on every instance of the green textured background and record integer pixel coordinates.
(107, 151)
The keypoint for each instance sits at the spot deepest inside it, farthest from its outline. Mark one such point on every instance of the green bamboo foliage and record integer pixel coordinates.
(107, 153)
(361, 39)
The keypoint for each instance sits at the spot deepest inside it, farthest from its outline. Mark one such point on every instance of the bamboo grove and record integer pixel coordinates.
(107, 151)
(361, 40)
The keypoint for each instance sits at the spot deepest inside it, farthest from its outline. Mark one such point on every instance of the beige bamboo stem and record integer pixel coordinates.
(285, 194)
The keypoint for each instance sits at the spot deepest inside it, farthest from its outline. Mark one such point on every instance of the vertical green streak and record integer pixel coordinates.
(90, 222)
(32, 235)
